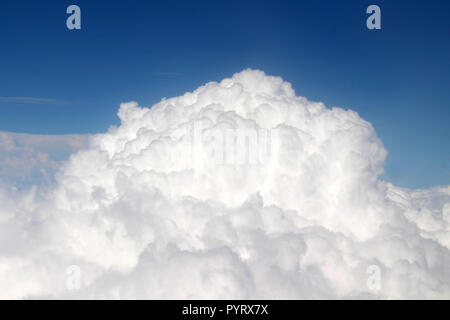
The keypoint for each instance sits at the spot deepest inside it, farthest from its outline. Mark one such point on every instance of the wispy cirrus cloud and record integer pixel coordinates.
(32, 100)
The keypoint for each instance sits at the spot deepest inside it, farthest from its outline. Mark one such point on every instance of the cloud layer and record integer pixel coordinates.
(239, 189)
(27, 159)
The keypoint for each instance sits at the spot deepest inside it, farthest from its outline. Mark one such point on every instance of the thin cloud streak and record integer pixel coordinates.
(168, 74)
(31, 100)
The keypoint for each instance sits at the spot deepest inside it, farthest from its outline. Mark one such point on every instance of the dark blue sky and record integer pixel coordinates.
(398, 78)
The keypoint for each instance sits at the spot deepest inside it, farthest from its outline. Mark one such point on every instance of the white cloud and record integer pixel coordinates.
(151, 211)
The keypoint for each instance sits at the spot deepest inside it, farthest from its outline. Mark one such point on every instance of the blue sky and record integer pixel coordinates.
(398, 78)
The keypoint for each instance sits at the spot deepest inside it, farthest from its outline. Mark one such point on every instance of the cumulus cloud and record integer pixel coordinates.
(240, 189)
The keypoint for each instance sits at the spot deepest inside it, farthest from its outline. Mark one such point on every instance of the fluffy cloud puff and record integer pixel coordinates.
(166, 206)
